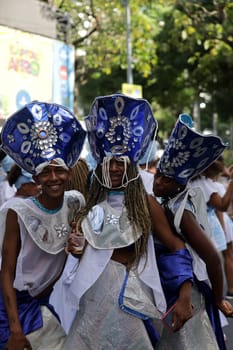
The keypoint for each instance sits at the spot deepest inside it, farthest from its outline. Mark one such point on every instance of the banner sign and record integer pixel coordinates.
(33, 67)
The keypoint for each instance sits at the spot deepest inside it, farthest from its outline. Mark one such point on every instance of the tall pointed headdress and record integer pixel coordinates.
(188, 152)
(119, 125)
(41, 132)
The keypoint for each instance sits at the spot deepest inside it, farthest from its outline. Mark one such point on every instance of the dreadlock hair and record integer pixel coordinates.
(136, 203)
(78, 179)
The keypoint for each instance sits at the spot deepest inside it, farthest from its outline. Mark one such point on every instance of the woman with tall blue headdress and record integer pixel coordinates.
(116, 288)
(186, 155)
(45, 140)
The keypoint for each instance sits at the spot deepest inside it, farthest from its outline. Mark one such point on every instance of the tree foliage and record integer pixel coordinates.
(197, 55)
(182, 51)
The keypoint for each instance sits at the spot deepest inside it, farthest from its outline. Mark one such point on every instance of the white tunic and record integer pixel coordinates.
(96, 258)
(95, 288)
(208, 187)
(43, 234)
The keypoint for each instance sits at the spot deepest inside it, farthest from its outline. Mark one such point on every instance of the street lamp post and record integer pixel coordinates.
(125, 3)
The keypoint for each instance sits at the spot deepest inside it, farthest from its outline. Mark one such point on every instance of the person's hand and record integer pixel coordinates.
(18, 341)
(182, 312)
(75, 242)
(226, 307)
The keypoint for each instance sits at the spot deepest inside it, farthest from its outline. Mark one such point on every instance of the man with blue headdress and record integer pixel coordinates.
(116, 288)
(187, 154)
(45, 140)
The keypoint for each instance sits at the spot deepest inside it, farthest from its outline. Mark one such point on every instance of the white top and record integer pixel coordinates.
(94, 261)
(43, 234)
(6, 191)
(148, 180)
(192, 200)
(207, 185)
(228, 224)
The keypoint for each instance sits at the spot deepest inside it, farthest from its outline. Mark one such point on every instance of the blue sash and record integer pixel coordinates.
(173, 272)
(174, 269)
(29, 313)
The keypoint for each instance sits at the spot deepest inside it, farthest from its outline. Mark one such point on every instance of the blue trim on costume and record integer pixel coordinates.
(116, 193)
(45, 210)
(126, 308)
(148, 323)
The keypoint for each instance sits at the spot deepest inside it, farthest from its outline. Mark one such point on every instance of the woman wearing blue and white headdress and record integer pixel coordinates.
(116, 288)
(45, 140)
(186, 155)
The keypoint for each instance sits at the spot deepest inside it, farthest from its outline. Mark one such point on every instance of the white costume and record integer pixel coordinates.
(41, 258)
(228, 224)
(96, 286)
(208, 187)
(199, 325)
(148, 179)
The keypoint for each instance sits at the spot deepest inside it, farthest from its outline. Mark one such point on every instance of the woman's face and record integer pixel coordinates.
(116, 172)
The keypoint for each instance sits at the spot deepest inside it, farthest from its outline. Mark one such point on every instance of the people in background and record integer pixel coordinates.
(218, 199)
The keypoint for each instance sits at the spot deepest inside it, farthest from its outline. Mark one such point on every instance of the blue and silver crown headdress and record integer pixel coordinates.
(41, 132)
(188, 152)
(119, 125)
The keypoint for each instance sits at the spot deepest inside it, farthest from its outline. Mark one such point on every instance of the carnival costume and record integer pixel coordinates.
(33, 137)
(186, 155)
(114, 303)
(209, 187)
(228, 223)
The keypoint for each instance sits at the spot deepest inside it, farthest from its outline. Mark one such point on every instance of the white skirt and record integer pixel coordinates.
(100, 324)
(196, 334)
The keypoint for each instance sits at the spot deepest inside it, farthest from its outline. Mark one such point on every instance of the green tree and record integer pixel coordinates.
(195, 56)
(181, 49)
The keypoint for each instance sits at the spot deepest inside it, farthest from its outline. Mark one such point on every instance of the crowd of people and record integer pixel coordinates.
(134, 252)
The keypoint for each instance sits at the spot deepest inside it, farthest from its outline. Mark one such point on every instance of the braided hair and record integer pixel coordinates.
(136, 203)
(79, 175)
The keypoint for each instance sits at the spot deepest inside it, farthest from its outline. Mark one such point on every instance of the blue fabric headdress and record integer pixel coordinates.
(119, 125)
(188, 152)
(41, 132)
